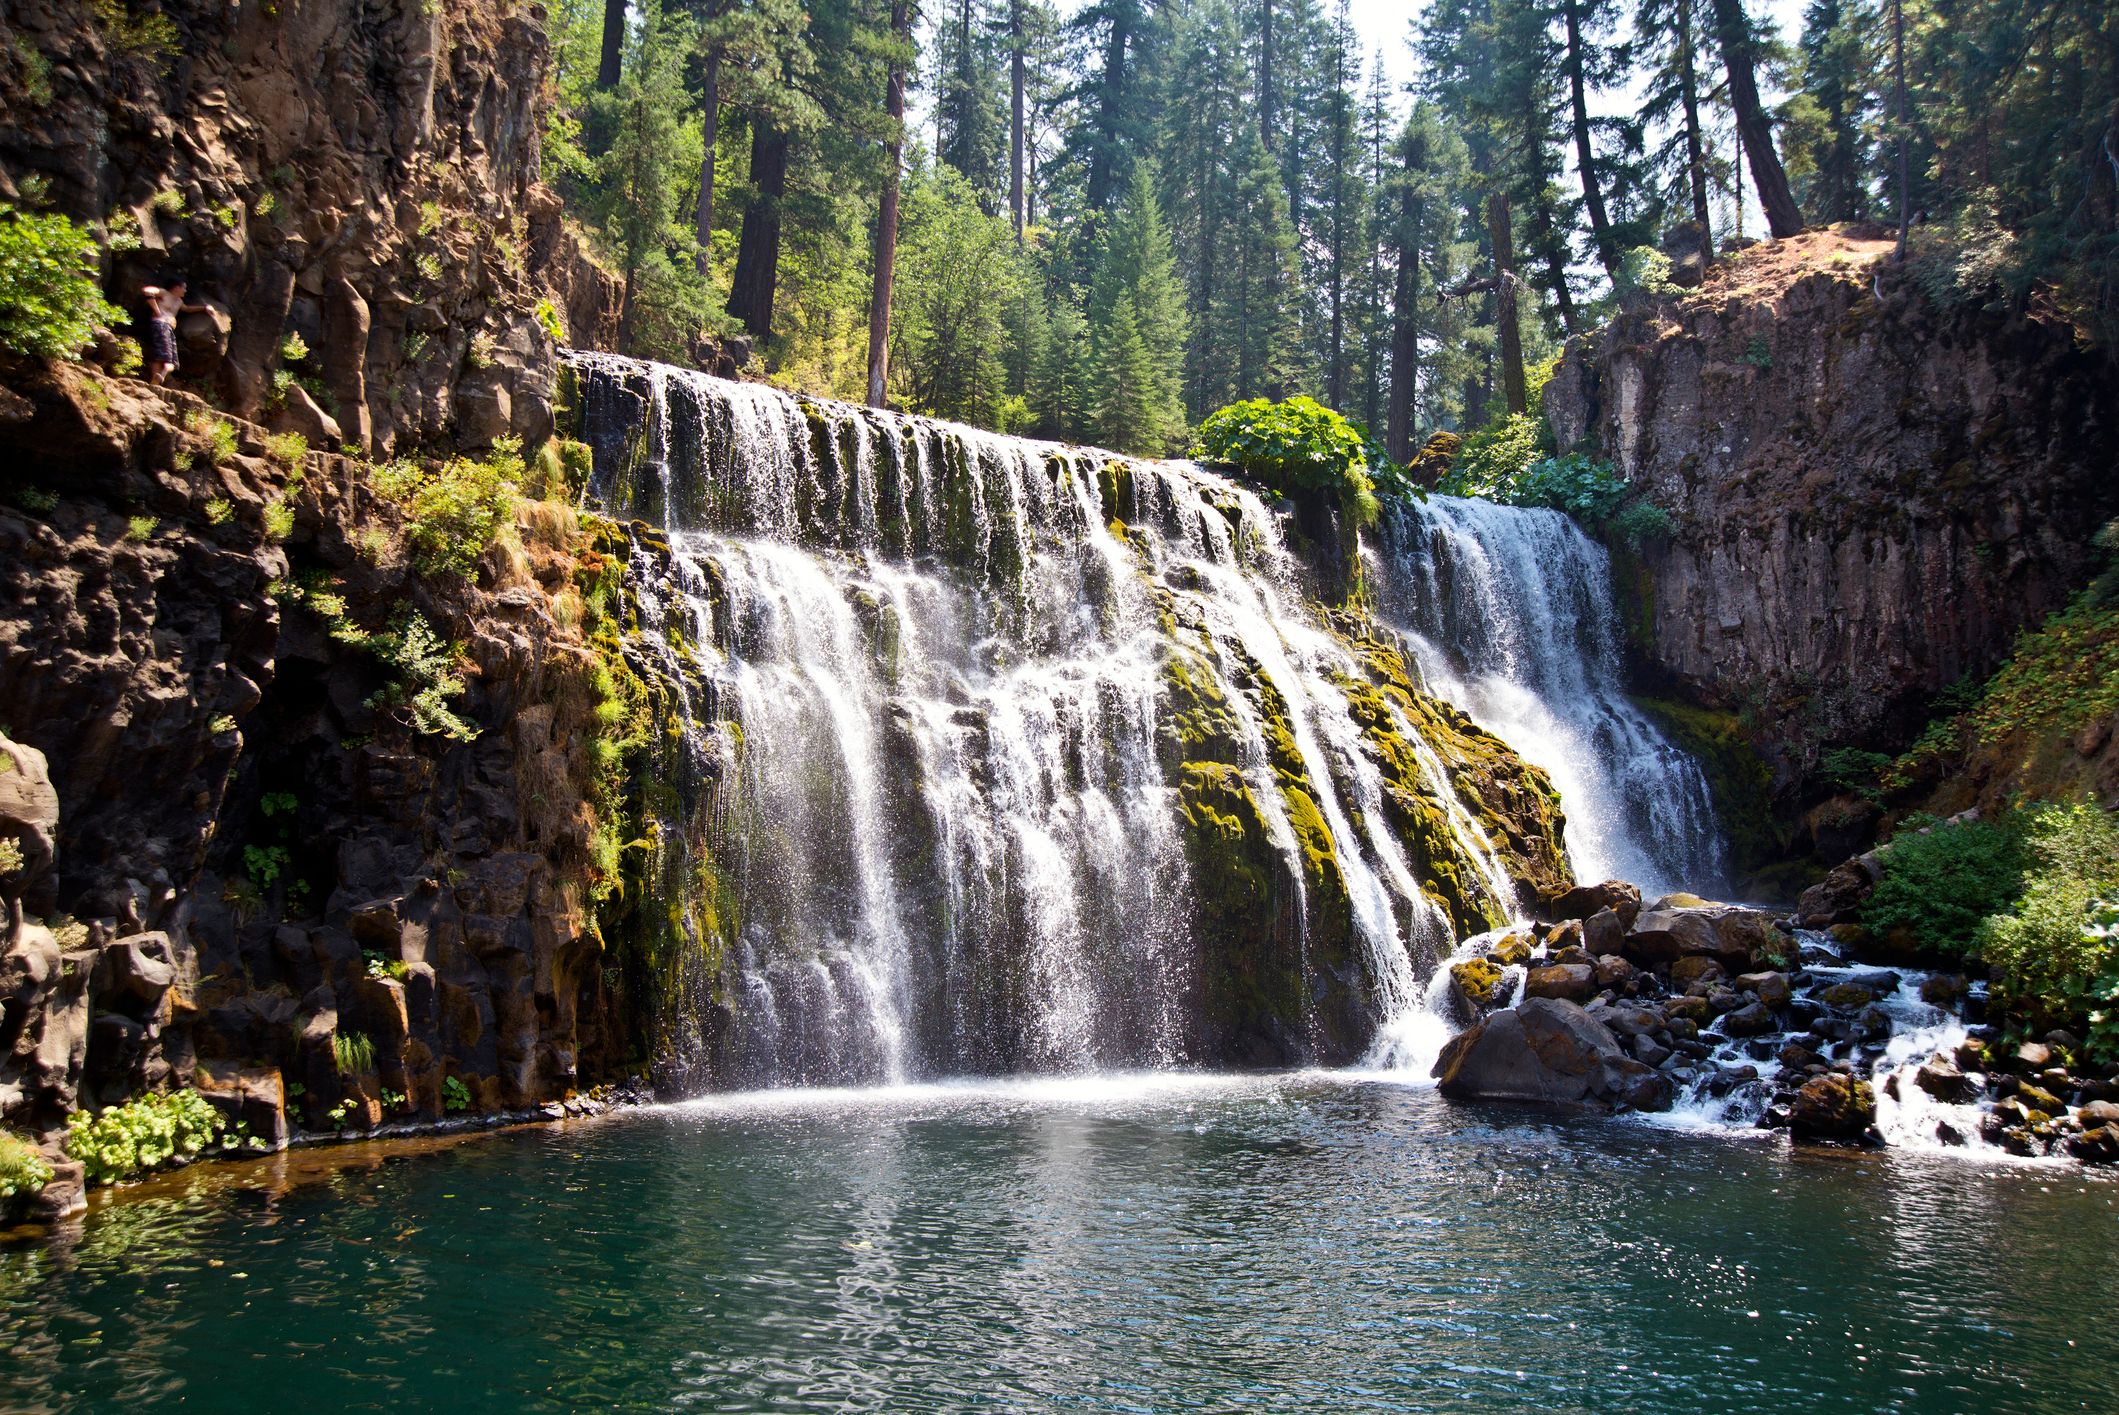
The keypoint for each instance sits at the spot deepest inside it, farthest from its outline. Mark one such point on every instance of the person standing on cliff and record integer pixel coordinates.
(164, 303)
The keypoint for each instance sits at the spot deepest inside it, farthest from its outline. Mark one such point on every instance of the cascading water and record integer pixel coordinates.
(1509, 614)
(987, 740)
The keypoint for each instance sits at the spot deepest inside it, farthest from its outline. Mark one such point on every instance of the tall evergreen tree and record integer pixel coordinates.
(1740, 46)
(1137, 325)
(1827, 119)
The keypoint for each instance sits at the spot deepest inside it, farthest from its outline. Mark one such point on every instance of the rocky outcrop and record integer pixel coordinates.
(1872, 493)
(1547, 1051)
(255, 856)
(360, 174)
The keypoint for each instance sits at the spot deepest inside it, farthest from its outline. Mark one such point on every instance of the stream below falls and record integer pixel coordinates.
(1307, 1241)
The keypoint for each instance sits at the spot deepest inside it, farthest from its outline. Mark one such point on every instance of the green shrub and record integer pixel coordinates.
(2055, 955)
(427, 677)
(1501, 463)
(455, 1095)
(1646, 269)
(153, 36)
(278, 518)
(141, 527)
(1852, 769)
(287, 448)
(1941, 880)
(22, 1170)
(11, 856)
(380, 967)
(141, 1135)
(1294, 445)
(217, 439)
(352, 1053)
(554, 324)
(1490, 462)
(454, 511)
(220, 511)
(51, 300)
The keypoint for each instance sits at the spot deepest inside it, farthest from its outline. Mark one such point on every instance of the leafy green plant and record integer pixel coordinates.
(22, 1170)
(380, 967)
(222, 722)
(153, 36)
(126, 362)
(1941, 880)
(1759, 353)
(141, 1135)
(1297, 444)
(294, 348)
(339, 1114)
(51, 301)
(278, 519)
(34, 499)
(216, 438)
(11, 857)
(287, 449)
(2055, 954)
(352, 1053)
(1646, 269)
(1852, 769)
(554, 324)
(141, 527)
(394, 1100)
(1490, 462)
(264, 863)
(220, 511)
(427, 677)
(456, 509)
(455, 1095)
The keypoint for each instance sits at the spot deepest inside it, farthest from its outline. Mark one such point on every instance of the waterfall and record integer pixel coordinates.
(1006, 756)
(1509, 613)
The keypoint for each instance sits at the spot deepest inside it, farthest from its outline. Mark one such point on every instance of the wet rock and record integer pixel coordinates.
(1848, 995)
(1754, 1020)
(1511, 950)
(1971, 1055)
(1945, 990)
(2020, 1141)
(2039, 1098)
(1837, 899)
(1948, 1133)
(1770, 988)
(1941, 1079)
(2098, 1146)
(1613, 971)
(1604, 933)
(1585, 901)
(2032, 1057)
(1695, 969)
(1573, 982)
(1835, 1108)
(1735, 937)
(1795, 1056)
(2098, 1114)
(1547, 1050)
(1872, 1024)
(2062, 1040)
(1563, 937)
(1478, 984)
(1648, 1051)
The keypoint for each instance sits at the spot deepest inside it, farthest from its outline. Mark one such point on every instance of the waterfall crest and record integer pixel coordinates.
(983, 754)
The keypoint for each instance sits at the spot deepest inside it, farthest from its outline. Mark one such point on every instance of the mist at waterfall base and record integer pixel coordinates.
(1299, 1243)
(925, 698)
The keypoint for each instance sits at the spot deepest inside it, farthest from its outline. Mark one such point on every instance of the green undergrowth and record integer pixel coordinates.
(2032, 895)
(1299, 445)
(23, 1172)
(144, 1134)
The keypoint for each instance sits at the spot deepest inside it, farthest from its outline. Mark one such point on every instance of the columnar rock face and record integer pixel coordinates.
(1872, 493)
(236, 853)
(361, 173)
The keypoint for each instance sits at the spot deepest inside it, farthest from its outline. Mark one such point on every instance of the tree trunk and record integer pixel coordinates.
(612, 56)
(1695, 146)
(757, 274)
(710, 131)
(1905, 165)
(1501, 234)
(1016, 208)
(1405, 336)
(1585, 149)
(886, 263)
(1733, 30)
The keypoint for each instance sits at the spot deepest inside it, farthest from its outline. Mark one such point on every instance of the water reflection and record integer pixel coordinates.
(1287, 1243)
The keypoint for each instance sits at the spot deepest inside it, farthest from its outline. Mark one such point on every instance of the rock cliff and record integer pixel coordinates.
(1872, 493)
(360, 174)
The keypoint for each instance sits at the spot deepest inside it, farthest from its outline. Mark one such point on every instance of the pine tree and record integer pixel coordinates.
(1741, 48)
(1679, 89)
(1137, 324)
(1826, 121)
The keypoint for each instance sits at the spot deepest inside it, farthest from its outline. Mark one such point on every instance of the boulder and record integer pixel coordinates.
(2032, 1057)
(1737, 938)
(1838, 897)
(1695, 968)
(1941, 1079)
(1575, 982)
(1478, 985)
(1835, 1108)
(135, 974)
(254, 1097)
(1511, 950)
(2098, 1114)
(2099, 1146)
(1584, 901)
(299, 413)
(1614, 971)
(29, 812)
(1753, 1020)
(1849, 995)
(1548, 1051)
(1604, 933)
(1769, 988)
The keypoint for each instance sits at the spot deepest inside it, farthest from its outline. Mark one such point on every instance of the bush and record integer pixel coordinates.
(141, 1135)
(2055, 955)
(1941, 881)
(22, 1170)
(1646, 269)
(51, 300)
(455, 1095)
(1490, 462)
(454, 511)
(1500, 463)
(287, 449)
(426, 666)
(1294, 445)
